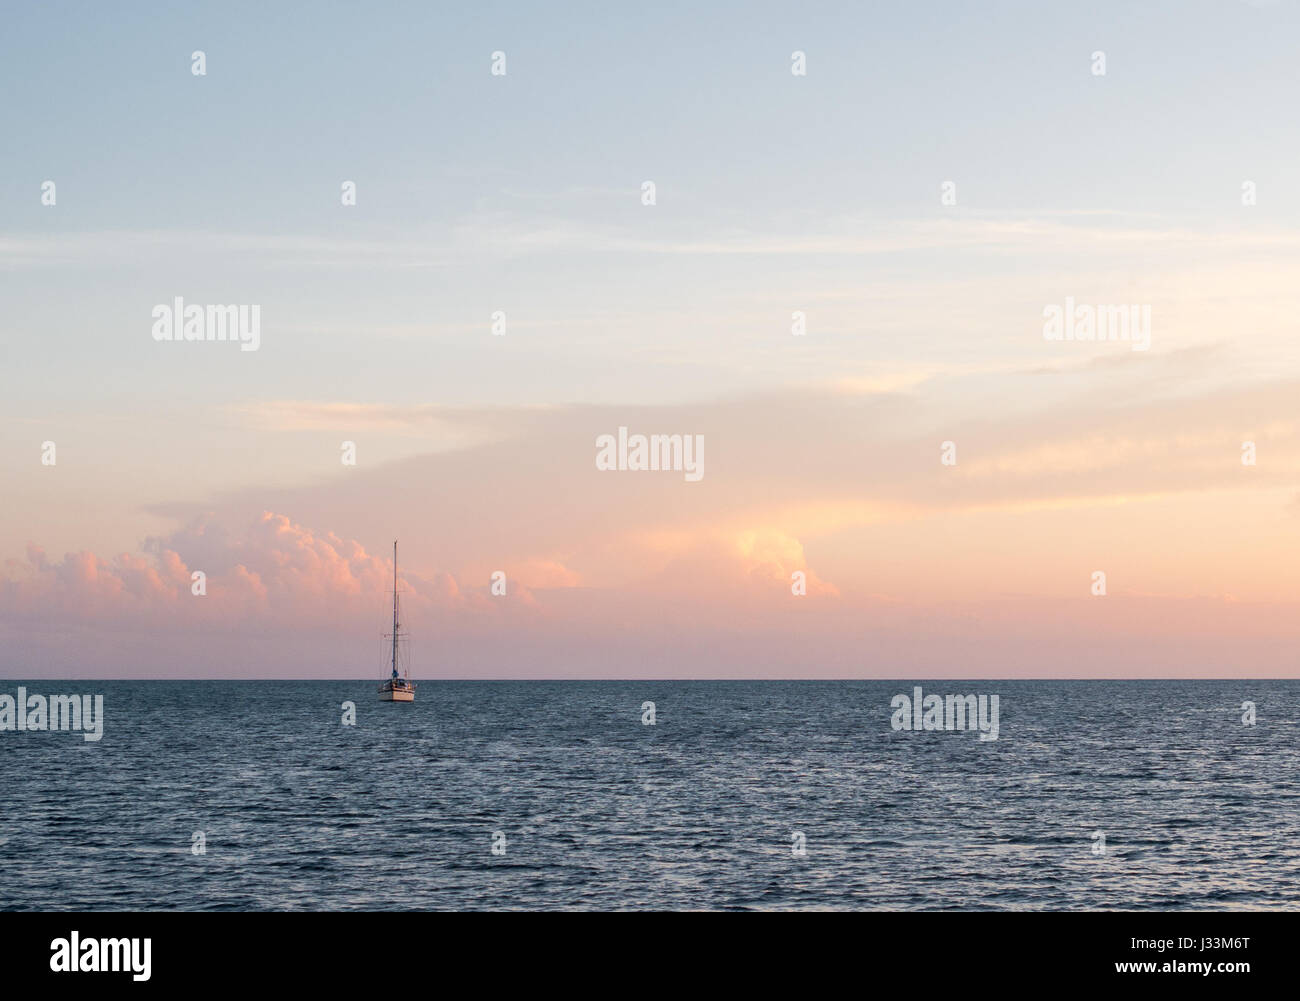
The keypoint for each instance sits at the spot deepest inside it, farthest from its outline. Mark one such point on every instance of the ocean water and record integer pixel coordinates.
(598, 810)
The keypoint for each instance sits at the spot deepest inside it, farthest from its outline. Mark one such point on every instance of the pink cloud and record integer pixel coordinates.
(271, 569)
(912, 568)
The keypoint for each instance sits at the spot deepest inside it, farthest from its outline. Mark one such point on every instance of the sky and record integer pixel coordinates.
(941, 176)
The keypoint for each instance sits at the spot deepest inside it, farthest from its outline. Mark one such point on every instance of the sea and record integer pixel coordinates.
(655, 795)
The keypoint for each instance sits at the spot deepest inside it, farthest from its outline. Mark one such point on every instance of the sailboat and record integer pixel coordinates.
(398, 687)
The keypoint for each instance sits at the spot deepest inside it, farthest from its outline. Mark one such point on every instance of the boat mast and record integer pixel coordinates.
(394, 608)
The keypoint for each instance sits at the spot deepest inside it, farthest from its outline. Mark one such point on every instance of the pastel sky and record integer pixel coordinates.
(775, 193)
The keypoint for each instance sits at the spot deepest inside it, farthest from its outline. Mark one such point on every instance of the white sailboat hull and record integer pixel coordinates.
(396, 696)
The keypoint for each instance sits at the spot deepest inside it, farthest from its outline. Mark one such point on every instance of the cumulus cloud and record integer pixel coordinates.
(270, 568)
(633, 573)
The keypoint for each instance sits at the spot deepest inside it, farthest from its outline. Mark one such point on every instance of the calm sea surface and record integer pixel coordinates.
(698, 811)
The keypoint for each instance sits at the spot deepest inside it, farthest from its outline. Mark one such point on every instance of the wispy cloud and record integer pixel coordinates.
(499, 233)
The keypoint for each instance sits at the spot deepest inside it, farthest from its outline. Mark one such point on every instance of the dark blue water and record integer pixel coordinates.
(698, 811)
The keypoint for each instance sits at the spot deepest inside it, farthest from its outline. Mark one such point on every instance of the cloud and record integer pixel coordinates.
(494, 234)
(268, 570)
(616, 572)
(803, 466)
